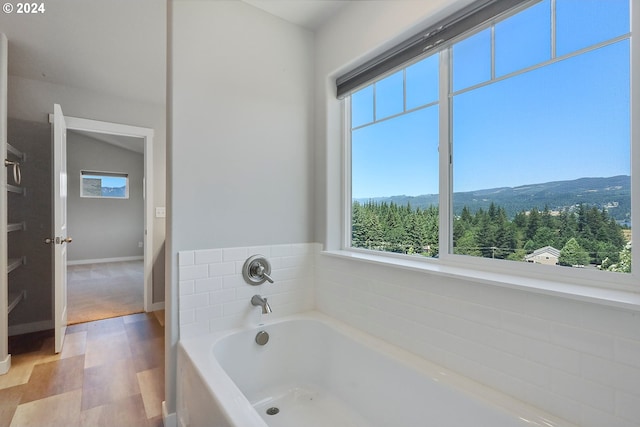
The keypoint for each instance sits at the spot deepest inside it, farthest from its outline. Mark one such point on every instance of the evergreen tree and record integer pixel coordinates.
(572, 254)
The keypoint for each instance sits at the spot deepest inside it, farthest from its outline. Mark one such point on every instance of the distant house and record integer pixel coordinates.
(546, 255)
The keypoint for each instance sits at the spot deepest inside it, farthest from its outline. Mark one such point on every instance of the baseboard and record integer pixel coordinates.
(27, 328)
(157, 306)
(105, 260)
(169, 420)
(5, 365)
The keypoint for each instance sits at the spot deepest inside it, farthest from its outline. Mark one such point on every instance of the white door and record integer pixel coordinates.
(60, 239)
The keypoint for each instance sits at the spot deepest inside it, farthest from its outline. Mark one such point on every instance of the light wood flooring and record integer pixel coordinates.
(110, 373)
(101, 291)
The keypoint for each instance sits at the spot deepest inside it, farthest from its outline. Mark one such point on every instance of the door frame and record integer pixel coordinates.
(80, 124)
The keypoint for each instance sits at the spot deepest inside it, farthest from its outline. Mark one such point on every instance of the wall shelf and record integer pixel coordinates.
(14, 263)
(15, 298)
(16, 226)
(13, 150)
(16, 189)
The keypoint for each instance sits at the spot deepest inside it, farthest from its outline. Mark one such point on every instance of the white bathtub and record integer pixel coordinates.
(319, 372)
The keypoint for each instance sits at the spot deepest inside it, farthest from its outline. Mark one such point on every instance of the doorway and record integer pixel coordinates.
(128, 276)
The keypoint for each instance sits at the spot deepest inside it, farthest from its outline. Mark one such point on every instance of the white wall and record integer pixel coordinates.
(240, 146)
(577, 360)
(103, 229)
(242, 126)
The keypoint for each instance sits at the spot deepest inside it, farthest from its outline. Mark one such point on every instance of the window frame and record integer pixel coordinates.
(479, 267)
(86, 172)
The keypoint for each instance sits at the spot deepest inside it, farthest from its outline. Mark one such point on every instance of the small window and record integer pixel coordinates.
(104, 185)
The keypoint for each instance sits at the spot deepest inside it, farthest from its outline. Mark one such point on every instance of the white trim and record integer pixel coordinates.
(156, 306)
(168, 419)
(4, 280)
(105, 260)
(87, 125)
(27, 328)
(5, 365)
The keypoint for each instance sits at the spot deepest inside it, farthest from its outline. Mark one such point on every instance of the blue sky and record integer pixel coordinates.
(563, 121)
(110, 182)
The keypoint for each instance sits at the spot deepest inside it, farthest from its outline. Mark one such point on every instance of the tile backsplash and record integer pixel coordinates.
(214, 296)
(577, 360)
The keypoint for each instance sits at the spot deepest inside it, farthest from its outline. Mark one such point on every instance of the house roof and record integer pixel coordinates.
(547, 249)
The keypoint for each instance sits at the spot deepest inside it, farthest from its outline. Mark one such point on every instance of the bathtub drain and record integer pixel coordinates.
(272, 411)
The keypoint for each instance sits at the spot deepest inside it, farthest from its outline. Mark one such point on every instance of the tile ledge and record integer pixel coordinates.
(607, 297)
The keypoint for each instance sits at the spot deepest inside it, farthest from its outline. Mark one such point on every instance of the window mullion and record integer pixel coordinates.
(553, 29)
(445, 233)
(635, 136)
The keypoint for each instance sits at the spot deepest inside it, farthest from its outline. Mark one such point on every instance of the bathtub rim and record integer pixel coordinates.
(236, 407)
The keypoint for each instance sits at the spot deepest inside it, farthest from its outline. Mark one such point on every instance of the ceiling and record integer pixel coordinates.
(116, 47)
(310, 14)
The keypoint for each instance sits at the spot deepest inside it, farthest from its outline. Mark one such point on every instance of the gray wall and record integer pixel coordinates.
(240, 157)
(103, 228)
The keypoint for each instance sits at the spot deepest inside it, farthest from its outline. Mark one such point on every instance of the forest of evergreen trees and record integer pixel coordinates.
(584, 235)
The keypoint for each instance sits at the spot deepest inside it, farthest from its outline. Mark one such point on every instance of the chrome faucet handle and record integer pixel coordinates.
(257, 270)
(260, 271)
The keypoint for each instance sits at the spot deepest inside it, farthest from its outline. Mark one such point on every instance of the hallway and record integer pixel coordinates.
(101, 291)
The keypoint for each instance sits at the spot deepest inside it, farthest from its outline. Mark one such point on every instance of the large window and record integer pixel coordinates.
(512, 142)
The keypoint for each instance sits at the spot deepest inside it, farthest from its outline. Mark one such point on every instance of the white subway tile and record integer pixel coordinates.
(209, 284)
(552, 355)
(234, 254)
(259, 250)
(185, 258)
(221, 269)
(611, 321)
(238, 307)
(193, 330)
(193, 272)
(531, 327)
(281, 250)
(628, 406)
(585, 391)
(208, 256)
(206, 313)
(234, 281)
(186, 287)
(187, 316)
(223, 296)
(193, 301)
(583, 340)
(594, 417)
(612, 374)
(628, 352)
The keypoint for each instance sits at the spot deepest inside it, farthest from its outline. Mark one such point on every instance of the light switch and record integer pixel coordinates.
(161, 212)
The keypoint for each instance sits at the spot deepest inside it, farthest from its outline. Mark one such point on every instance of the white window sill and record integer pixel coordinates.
(609, 297)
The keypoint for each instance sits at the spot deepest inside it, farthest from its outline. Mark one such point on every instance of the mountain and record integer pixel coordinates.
(118, 192)
(612, 193)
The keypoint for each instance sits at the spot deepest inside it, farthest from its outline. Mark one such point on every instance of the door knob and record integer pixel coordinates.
(58, 240)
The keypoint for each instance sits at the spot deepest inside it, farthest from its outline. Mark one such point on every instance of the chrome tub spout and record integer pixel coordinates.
(259, 301)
